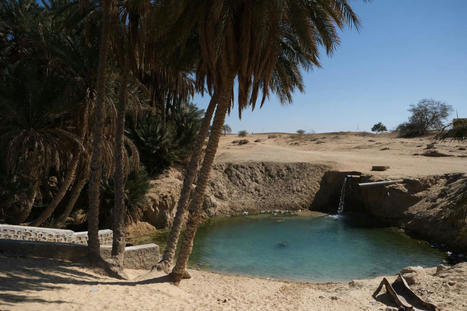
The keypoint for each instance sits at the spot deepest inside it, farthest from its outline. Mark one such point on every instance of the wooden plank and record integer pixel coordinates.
(400, 301)
(418, 299)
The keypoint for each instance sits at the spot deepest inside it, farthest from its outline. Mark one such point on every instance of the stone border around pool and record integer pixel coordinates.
(25, 233)
(136, 257)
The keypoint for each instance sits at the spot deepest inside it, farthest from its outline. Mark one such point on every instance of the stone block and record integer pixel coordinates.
(137, 257)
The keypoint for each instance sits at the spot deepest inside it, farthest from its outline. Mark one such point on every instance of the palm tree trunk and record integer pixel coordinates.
(75, 193)
(185, 193)
(196, 204)
(69, 177)
(119, 212)
(97, 133)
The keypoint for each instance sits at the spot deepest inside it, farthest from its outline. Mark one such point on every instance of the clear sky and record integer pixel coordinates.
(406, 50)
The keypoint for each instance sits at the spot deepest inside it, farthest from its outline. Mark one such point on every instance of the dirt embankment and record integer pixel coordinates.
(240, 187)
(433, 208)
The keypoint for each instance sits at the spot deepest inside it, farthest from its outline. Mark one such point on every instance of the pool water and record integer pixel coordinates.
(307, 248)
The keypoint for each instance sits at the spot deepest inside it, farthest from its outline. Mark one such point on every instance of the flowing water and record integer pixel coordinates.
(340, 207)
(306, 248)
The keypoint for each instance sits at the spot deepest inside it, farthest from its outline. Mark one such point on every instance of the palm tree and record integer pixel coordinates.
(128, 26)
(190, 175)
(31, 104)
(244, 39)
(97, 135)
(285, 79)
(226, 129)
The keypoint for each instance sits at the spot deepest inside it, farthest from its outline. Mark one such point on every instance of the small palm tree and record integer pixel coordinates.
(226, 129)
(31, 105)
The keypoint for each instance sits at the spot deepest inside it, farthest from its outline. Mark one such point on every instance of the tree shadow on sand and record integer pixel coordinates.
(20, 275)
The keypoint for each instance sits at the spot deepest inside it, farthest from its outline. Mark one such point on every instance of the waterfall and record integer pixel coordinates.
(340, 208)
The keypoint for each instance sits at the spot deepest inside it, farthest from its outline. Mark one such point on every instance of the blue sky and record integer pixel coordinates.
(406, 50)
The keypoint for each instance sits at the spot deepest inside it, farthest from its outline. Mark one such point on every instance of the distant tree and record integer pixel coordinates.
(428, 114)
(300, 132)
(242, 133)
(379, 127)
(226, 129)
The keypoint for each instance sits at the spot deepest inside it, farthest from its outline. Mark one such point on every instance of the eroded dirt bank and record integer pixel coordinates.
(241, 187)
(432, 208)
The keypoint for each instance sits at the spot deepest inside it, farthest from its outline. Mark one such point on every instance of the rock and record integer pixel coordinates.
(334, 298)
(411, 269)
(241, 142)
(257, 140)
(441, 268)
(452, 283)
(283, 244)
(411, 278)
(391, 309)
(435, 153)
(379, 168)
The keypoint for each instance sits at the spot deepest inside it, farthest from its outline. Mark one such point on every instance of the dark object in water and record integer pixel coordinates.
(282, 244)
(403, 296)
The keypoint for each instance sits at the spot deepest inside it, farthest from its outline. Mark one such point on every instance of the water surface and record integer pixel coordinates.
(306, 248)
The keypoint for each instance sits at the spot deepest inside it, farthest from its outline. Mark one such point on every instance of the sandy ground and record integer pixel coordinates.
(350, 151)
(40, 284)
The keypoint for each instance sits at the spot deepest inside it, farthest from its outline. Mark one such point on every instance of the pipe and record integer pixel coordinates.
(379, 183)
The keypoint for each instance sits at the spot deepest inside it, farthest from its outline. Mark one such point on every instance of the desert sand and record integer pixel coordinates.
(350, 152)
(40, 284)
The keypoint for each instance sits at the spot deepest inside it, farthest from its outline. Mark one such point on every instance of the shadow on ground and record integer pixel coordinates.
(21, 277)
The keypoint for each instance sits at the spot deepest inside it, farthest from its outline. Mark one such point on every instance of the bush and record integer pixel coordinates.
(455, 133)
(242, 133)
(379, 127)
(136, 187)
(162, 146)
(300, 132)
(427, 115)
(408, 130)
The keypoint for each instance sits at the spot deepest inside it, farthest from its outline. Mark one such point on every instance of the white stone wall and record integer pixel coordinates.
(25, 233)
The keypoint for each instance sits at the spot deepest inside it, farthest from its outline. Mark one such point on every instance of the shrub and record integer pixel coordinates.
(455, 133)
(300, 132)
(242, 133)
(427, 115)
(408, 130)
(379, 127)
(136, 187)
(161, 146)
